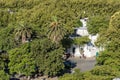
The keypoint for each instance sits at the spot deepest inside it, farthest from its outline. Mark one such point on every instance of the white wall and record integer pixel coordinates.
(84, 22)
(82, 32)
(93, 38)
(77, 52)
(90, 51)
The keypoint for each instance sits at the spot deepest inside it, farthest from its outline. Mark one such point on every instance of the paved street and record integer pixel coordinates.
(84, 64)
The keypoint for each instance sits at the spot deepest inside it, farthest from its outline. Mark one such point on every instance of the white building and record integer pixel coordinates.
(84, 22)
(116, 79)
(89, 49)
(82, 31)
(93, 38)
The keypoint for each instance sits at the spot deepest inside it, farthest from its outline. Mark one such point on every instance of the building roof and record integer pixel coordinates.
(82, 28)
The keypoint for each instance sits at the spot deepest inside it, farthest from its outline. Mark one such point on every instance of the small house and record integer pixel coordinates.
(89, 49)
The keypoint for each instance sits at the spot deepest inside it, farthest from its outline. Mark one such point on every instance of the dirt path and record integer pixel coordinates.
(84, 64)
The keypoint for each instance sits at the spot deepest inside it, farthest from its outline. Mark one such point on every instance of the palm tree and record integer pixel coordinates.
(56, 31)
(23, 33)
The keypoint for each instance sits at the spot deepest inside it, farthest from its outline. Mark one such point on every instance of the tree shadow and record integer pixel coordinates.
(14, 79)
(69, 65)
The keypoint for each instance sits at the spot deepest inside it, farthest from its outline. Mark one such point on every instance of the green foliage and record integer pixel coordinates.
(4, 66)
(81, 40)
(21, 61)
(96, 23)
(114, 32)
(7, 38)
(111, 36)
(47, 56)
(69, 12)
(109, 58)
(6, 17)
(106, 70)
(107, 65)
(77, 75)
(3, 61)
(114, 22)
(54, 63)
(40, 55)
(56, 30)
(23, 32)
(4, 76)
(78, 23)
(108, 61)
(89, 76)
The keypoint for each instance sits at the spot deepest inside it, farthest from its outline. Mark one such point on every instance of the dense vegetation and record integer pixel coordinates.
(108, 62)
(34, 35)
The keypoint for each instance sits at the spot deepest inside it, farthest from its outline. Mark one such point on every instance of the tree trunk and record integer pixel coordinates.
(23, 39)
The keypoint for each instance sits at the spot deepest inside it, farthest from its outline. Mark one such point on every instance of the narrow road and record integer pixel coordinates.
(83, 64)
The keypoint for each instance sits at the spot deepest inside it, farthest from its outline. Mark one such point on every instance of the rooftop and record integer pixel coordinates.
(82, 28)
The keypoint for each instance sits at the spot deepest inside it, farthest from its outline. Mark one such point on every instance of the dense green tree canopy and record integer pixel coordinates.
(7, 38)
(47, 56)
(21, 61)
(40, 55)
(43, 56)
(97, 23)
(110, 37)
(4, 76)
(108, 61)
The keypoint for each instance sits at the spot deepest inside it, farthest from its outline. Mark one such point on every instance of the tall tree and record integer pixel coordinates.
(23, 32)
(47, 56)
(113, 33)
(56, 30)
(111, 36)
(21, 61)
(96, 23)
